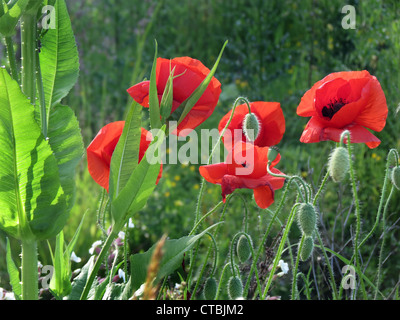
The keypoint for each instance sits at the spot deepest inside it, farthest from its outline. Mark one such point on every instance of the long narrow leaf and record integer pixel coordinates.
(154, 105)
(173, 249)
(13, 273)
(59, 59)
(141, 183)
(125, 157)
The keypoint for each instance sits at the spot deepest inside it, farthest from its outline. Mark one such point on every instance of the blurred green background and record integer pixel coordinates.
(277, 49)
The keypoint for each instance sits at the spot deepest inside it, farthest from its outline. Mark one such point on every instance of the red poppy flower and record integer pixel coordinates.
(191, 73)
(100, 151)
(271, 124)
(352, 100)
(246, 167)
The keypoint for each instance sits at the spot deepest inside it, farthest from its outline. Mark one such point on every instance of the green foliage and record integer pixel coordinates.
(33, 203)
(173, 251)
(59, 60)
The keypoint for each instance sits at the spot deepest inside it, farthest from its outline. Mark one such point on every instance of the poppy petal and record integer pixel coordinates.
(358, 134)
(140, 93)
(264, 196)
(214, 173)
(375, 111)
(100, 150)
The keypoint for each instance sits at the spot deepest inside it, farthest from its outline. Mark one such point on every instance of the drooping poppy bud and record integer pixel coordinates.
(339, 164)
(396, 177)
(251, 127)
(243, 249)
(210, 289)
(235, 288)
(307, 219)
(307, 248)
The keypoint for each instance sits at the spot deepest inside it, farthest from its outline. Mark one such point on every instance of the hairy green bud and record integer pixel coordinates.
(307, 249)
(235, 288)
(339, 164)
(243, 249)
(210, 289)
(307, 219)
(396, 177)
(251, 127)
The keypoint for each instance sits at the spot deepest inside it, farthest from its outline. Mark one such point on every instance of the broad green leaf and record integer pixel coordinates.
(141, 183)
(59, 59)
(125, 157)
(13, 273)
(188, 104)
(32, 202)
(65, 140)
(172, 258)
(10, 18)
(154, 105)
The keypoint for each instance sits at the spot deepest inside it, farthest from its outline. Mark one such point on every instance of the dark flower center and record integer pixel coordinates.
(332, 107)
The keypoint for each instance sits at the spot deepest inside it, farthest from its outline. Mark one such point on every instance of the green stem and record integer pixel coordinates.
(384, 190)
(11, 58)
(333, 283)
(261, 245)
(220, 279)
(28, 56)
(104, 251)
(383, 244)
(280, 249)
(321, 187)
(228, 198)
(358, 218)
(296, 267)
(304, 199)
(29, 270)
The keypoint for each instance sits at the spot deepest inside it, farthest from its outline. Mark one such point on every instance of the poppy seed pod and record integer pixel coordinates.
(235, 288)
(396, 177)
(251, 127)
(210, 289)
(307, 248)
(243, 249)
(339, 164)
(307, 219)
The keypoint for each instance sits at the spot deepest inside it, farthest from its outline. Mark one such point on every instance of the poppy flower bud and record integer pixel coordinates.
(251, 127)
(243, 249)
(272, 153)
(307, 219)
(210, 289)
(339, 164)
(235, 288)
(307, 248)
(396, 177)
